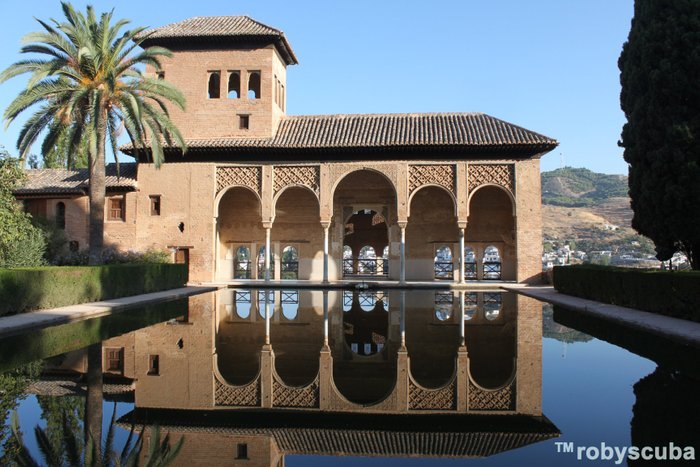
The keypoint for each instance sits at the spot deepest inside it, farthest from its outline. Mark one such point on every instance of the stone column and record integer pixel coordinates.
(461, 319)
(462, 270)
(402, 362)
(268, 231)
(402, 253)
(325, 226)
(402, 319)
(325, 320)
(267, 317)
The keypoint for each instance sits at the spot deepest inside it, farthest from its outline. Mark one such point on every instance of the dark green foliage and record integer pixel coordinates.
(25, 289)
(21, 243)
(578, 187)
(74, 450)
(53, 341)
(668, 293)
(660, 72)
(59, 413)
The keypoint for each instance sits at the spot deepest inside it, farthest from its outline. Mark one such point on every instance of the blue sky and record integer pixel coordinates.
(547, 65)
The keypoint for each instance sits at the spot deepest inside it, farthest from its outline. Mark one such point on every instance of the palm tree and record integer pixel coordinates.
(88, 85)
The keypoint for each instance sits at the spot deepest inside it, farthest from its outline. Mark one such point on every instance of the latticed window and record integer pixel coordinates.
(114, 359)
(116, 209)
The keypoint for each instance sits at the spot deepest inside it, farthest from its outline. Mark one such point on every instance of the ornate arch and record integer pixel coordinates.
(443, 175)
(246, 176)
(296, 175)
(502, 175)
(441, 187)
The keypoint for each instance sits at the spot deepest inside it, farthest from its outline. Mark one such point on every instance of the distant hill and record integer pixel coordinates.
(590, 208)
(572, 187)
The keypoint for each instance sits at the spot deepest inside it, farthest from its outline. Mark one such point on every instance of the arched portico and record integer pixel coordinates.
(425, 208)
(491, 233)
(432, 235)
(238, 225)
(364, 206)
(297, 226)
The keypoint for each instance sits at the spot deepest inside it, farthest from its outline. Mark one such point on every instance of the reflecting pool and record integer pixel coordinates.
(299, 377)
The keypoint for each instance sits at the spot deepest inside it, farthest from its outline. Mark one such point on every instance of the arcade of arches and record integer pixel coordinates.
(400, 221)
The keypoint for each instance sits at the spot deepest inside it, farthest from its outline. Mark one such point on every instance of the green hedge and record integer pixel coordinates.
(25, 289)
(670, 293)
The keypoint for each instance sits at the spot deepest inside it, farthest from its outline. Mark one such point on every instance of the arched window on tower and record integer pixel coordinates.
(234, 85)
(61, 216)
(254, 85)
(214, 84)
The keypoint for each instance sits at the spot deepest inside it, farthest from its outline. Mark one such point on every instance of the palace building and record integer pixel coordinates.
(265, 195)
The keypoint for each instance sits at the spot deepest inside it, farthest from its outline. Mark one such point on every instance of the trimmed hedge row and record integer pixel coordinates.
(25, 289)
(670, 293)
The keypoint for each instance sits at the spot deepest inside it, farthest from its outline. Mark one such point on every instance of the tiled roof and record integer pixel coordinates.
(473, 131)
(361, 434)
(220, 27)
(75, 182)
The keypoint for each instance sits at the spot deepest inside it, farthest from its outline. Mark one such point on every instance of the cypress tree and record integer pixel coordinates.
(660, 77)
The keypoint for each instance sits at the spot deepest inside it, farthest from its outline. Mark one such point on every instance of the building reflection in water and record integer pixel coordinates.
(311, 364)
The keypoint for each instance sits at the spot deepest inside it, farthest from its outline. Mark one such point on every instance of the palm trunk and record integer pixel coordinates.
(93, 400)
(97, 195)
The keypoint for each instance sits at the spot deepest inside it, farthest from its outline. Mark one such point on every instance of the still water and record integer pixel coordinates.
(287, 377)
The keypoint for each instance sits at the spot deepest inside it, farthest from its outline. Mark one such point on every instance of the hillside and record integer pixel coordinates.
(590, 209)
(577, 187)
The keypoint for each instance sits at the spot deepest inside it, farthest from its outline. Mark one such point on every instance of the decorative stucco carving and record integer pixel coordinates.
(247, 176)
(304, 175)
(420, 398)
(433, 174)
(287, 396)
(498, 399)
(491, 174)
(238, 396)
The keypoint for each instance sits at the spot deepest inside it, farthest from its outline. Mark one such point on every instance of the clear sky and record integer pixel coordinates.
(547, 65)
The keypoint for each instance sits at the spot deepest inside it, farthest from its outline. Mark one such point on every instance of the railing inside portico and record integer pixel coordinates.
(365, 267)
(492, 270)
(444, 270)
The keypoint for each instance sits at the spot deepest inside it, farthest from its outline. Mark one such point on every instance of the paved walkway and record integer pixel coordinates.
(680, 330)
(23, 322)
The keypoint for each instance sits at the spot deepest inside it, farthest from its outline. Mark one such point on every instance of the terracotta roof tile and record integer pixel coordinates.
(74, 182)
(220, 27)
(346, 131)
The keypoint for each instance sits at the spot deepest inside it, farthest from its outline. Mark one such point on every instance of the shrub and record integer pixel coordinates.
(114, 256)
(670, 293)
(24, 289)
